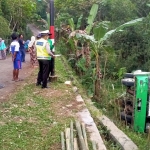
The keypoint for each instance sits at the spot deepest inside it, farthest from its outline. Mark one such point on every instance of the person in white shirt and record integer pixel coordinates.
(16, 57)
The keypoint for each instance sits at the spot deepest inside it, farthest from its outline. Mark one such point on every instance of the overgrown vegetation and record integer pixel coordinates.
(101, 61)
(126, 50)
(16, 14)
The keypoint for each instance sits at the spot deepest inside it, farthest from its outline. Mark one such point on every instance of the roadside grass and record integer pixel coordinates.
(33, 118)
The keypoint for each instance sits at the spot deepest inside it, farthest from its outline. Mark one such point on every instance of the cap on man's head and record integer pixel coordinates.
(46, 32)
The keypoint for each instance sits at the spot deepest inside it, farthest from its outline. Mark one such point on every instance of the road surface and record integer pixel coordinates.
(6, 68)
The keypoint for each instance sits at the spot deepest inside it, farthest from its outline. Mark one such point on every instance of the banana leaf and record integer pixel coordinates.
(92, 15)
(79, 22)
(127, 24)
(71, 23)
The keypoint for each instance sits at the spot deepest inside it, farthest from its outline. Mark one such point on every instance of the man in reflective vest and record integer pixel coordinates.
(43, 55)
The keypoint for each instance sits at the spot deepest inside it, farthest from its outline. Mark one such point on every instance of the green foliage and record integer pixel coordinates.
(81, 64)
(16, 14)
(121, 73)
(41, 7)
(88, 79)
(4, 30)
(61, 19)
(100, 30)
(92, 15)
(79, 22)
(142, 7)
(71, 23)
(123, 45)
(120, 28)
(61, 48)
(118, 11)
(132, 46)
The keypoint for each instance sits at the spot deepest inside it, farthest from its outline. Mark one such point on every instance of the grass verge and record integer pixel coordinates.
(33, 118)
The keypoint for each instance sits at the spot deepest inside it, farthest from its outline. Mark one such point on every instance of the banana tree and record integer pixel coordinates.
(75, 29)
(72, 24)
(98, 43)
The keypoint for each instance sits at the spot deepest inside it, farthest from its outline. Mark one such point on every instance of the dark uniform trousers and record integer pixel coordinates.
(43, 72)
(51, 67)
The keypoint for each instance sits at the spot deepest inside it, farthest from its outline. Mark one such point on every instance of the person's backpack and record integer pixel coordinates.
(26, 44)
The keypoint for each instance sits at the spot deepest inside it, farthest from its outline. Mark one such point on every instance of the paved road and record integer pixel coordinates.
(6, 68)
(34, 30)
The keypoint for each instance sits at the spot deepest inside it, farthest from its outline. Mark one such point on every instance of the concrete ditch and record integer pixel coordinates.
(85, 117)
(116, 134)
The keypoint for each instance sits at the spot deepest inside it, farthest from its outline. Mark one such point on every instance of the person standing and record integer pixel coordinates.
(16, 57)
(2, 49)
(51, 62)
(22, 49)
(43, 56)
(32, 51)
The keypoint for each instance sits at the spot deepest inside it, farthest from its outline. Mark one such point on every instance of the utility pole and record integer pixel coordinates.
(52, 36)
(52, 28)
(52, 31)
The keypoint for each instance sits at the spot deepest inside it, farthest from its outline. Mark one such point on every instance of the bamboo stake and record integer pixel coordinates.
(84, 135)
(67, 133)
(94, 145)
(75, 144)
(67, 144)
(62, 141)
(71, 135)
(81, 140)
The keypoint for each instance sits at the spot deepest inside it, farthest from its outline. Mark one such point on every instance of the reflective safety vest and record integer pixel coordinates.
(41, 50)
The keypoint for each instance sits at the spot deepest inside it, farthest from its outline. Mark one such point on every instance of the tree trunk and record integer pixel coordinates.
(87, 55)
(97, 86)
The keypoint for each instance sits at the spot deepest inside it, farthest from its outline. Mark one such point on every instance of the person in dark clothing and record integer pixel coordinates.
(22, 49)
(51, 64)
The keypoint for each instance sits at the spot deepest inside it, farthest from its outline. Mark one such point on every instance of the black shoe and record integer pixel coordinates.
(37, 84)
(45, 87)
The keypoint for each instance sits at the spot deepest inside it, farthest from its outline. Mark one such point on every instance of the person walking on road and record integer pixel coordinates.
(2, 49)
(22, 49)
(43, 55)
(16, 57)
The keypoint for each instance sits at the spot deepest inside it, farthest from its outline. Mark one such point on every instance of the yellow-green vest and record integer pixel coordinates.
(41, 50)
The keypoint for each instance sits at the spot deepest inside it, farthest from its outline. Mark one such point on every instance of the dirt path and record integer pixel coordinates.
(6, 68)
(33, 28)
